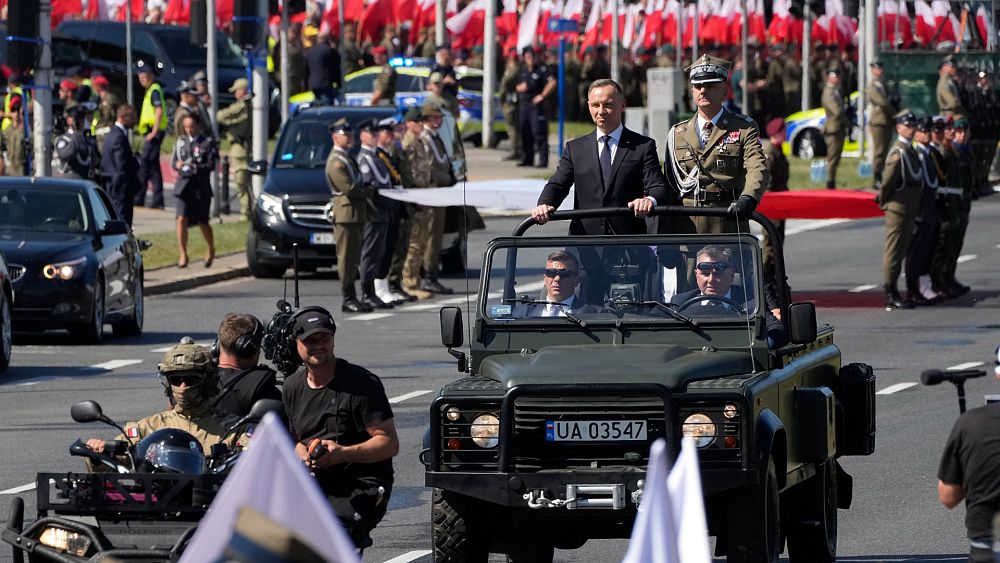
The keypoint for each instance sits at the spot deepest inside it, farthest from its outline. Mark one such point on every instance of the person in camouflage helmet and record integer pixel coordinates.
(190, 379)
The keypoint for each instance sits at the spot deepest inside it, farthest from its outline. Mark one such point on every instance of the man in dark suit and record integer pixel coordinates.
(561, 277)
(119, 165)
(611, 167)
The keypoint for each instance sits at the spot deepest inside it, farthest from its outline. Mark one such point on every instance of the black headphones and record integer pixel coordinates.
(247, 345)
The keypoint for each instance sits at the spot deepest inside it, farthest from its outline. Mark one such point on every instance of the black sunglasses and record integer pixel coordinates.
(553, 272)
(178, 380)
(709, 267)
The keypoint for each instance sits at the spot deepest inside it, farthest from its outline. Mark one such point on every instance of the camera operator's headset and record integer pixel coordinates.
(246, 346)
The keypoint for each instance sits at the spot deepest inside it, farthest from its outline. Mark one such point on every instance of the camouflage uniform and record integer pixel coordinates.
(235, 121)
(508, 97)
(385, 85)
(350, 213)
(104, 118)
(431, 167)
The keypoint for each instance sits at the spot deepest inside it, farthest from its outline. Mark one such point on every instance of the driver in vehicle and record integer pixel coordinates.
(190, 379)
(560, 279)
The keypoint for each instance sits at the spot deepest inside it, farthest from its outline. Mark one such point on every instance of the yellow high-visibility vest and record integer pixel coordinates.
(8, 100)
(147, 117)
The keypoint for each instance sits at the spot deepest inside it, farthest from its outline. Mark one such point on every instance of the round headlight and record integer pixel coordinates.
(486, 430)
(700, 427)
(453, 414)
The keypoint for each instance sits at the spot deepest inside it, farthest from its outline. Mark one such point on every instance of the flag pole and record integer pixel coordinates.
(745, 58)
(806, 40)
(615, 35)
(489, 70)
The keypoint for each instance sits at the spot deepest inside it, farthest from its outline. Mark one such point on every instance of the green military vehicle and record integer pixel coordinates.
(544, 441)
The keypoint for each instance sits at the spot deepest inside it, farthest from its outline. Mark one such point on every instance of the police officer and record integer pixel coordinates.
(375, 176)
(234, 119)
(880, 122)
(243, 380)
(534, 84)
(153, 126)
(921, 250)
(778, 170)
(384, 89)
(901, 193)
(106, 112)
(350, 212)
(74, 150)
(190, 380)
(715, 158)
(948, 98)
(835, 128)
(508, 102)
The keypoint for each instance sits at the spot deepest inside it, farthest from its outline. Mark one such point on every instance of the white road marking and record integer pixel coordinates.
(967, 257)
(409, 395)
(369, 317)
(115, 364)
(966, 365)
(27, 383)
(165, 348)
(895, 388)
(23, 488)
(861, 288)
(801, 226)
(411, 556)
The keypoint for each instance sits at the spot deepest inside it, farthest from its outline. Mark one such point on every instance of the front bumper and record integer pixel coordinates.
(275, 240)
(45, 304)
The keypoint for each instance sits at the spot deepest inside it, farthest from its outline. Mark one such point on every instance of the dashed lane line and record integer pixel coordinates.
(368, 317)
(105, 366)
(966, 365)
(861, 288)
(408, 557)
(115, 364)
(967, 257)
(23, 488)
(409, 395)
(895, 388)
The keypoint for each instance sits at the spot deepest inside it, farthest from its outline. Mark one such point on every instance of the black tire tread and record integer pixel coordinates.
(745, 530)
(809, 543)
(450, 534)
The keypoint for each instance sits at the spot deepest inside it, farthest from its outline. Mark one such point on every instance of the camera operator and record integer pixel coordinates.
(335, 405)
(244, 380)
(970, 471)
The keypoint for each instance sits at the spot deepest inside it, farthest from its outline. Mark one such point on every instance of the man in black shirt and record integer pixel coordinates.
(243, 380)
(970, 471)
(323, 69)
(341, 408)
(534, 84)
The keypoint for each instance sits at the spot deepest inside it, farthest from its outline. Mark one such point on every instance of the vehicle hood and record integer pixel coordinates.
(671, 366)
(28, 248)
(296, 181)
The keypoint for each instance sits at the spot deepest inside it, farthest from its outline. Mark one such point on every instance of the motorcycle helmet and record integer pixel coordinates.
(170, 450)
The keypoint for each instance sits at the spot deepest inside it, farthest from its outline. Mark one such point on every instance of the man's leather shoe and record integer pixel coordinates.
(352, 305)
(435, 286)
(398, 292)
(510, 157)
(374, 302)
(893, 300)
(959, 289)
(522, 164)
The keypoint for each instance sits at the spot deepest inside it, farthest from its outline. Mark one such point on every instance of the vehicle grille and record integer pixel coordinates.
(533, 453)
(311, 214)
(16, 271)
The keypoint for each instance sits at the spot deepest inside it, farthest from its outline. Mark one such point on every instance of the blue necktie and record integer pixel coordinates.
(605, 159)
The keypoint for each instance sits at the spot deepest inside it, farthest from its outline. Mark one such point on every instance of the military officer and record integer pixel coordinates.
(928, 220)
(791, 81)
(384, 89)
(188, 106)
(900, 195)
(407, 154)
(73, 150)
(234, 120)
(715, 158)
(391, 154)
(350, 212)
(777, 168)
(961, 174)
(375, 176)
(948, 99)
(880, 122)
(835, 128)
(508, 101)
(107, 110)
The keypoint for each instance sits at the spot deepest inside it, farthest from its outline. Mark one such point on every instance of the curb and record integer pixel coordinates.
(173, 286)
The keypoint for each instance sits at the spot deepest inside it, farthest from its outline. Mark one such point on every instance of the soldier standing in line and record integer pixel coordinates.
(375, 176)
(508, 100)
(384, 90)
(390, 153)
(13, 142)
(880, 119)
(353, 57)
(571, 72)
(235, 121)
(921, 250)
(900, 195)
(407, 153)
(534, 85)
(961, 174)
(778, 171)
(73, 150)
(106, 112)
(776, 83)
(948, 201)
(350, 212)
(948, 98)
(715, 158)
(835, 128)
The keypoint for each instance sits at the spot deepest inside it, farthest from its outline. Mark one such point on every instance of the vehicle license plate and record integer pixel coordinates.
(594, 430)
(321, 238)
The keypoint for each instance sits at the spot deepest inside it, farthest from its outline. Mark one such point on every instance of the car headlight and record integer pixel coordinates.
(65, 541)
(700, 427)
(486, 430)
(272, 205)
(64, 270)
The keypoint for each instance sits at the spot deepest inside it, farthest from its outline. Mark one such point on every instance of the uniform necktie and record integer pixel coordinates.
(706, 132)
(605, 159)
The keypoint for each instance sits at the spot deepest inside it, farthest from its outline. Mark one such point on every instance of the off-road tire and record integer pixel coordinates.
(453, 541)
(753, 524)
(813, 536)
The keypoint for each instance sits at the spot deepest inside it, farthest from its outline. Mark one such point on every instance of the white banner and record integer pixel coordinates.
(509, 195)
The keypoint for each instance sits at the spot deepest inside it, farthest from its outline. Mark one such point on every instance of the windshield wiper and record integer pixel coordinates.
(615, 303)
(562, 307)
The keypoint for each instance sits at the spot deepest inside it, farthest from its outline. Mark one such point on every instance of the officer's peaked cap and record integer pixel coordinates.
(341, 126)
(906, 117)
(709, 69)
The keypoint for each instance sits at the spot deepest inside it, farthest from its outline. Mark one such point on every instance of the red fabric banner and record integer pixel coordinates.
(819, 204)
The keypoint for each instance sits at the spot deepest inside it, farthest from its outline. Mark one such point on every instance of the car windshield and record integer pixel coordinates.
(305, 144)
(177, 42)
(595, 282)
(42, 210)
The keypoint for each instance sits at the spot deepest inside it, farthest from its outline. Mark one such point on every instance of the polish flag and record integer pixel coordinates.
(528, 29)
(548, 10)
(424, 17)
(178, 12)
(628, 29)
(982, 24)
(466, 27)
(668, 29)
(97, 10)
(689, 24)
(607, 29)
(592, 30)
(653, 26)
(713, 27)
(375, 16)
(757, 29)
(894, 24)
(573, 10)
(507, 25)
(784, 27)
(352, 12)
(138, 11)
(224, 12)
(62, 9)
(945, 19)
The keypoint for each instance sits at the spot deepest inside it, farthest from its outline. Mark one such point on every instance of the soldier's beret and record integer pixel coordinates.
(100, 80)
(775, 126)
(341, 127)
(962, 123)
(413, 114)
(906, 117)
(708, 69)
(380, 50)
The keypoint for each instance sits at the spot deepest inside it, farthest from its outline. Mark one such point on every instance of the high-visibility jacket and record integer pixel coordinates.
(8, 100)
(147, 116)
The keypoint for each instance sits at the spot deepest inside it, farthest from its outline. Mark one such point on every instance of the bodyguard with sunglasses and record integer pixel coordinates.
(560, 279)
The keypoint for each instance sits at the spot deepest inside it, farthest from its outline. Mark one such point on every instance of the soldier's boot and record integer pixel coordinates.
(913, 297)
(892, 298)
(831, 185)
(351, 303)
(385, 294)
(370, 297)
(399, 293)
(877, 181)
(434, 286)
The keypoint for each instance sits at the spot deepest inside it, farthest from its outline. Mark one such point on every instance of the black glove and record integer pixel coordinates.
(743, 207)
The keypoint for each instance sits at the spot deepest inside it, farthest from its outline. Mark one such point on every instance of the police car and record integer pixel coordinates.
(411, 90)
(804, 131)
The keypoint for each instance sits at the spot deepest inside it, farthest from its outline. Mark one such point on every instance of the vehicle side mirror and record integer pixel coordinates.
(86, 411)
(263, 406)
(802, 323)
(452, 332)
(257, 167)
(114, 227)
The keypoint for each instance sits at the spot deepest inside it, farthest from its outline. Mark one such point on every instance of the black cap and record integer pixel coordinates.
(312, 322)
(906, 117)
(528, 49)
(925, 124)
(341, 126)
(143, 66)
(369, 125)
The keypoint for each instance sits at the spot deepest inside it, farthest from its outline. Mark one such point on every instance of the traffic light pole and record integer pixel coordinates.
(615, 42)
(746, 67)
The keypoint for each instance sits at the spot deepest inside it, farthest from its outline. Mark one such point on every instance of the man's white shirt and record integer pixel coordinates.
(553, 310)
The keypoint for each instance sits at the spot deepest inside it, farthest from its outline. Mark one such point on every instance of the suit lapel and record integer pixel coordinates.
(624, 145)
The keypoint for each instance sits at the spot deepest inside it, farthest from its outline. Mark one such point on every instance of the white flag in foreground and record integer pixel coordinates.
(670, 527)
(272, 480)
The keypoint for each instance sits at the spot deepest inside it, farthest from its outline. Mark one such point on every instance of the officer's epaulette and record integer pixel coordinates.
(746, 118)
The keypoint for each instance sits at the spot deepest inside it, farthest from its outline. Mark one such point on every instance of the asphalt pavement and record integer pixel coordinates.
(895, 515)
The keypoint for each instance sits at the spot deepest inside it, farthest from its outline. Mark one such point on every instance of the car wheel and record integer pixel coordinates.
(258, 269)
(811, 145)
(133, 326)
(93, 331)
(813, 535)
(453, 540)
(752, 522)
(6, 333)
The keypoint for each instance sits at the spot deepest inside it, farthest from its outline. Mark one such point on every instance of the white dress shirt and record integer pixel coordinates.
(701, 123)
(616, 137)
(553, 310)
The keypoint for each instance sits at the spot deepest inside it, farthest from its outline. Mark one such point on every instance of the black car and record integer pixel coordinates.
(6, 298)
(73, 262)
(294, 206)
